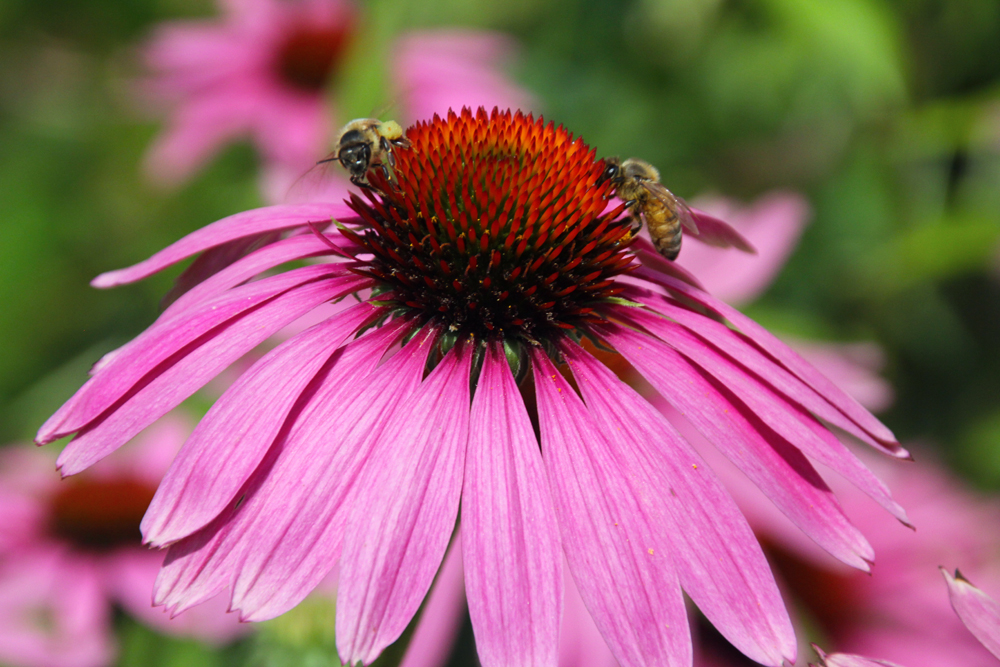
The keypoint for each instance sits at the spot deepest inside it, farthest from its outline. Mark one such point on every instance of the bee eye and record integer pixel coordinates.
(610, 173)
(355, 158)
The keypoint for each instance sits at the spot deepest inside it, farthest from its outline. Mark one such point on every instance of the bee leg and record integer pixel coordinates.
(387, 173)
(386, 147)
(361, 183)
(634, 215)
(390, 177)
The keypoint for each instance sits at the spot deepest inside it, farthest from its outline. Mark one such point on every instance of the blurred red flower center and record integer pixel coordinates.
(496, 227)
(825, 594)
(100, 515)
(308, 56)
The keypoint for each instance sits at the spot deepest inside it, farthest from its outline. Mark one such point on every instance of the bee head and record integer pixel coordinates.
(639, 170)
(355, 157)
(612, 170)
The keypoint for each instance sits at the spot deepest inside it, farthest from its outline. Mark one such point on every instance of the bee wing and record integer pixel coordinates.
(384, 108)
(657, 190)
(684, 213)
(711, 231)
(324, 181)
(674, 202)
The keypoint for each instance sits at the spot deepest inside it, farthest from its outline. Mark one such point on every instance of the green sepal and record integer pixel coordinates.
(617, 300)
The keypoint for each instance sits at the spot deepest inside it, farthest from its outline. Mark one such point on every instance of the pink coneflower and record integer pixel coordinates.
(70, 550)
(772, 224)
(262, 70)
(356, 441)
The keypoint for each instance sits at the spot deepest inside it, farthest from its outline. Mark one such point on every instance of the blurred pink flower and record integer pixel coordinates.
(70, 549)
(772, 224)
(438, 70)
(261, 71)
(853, 367)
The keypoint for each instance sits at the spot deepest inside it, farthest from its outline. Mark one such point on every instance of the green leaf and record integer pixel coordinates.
(143, 647)
(302, 637)
(952, 247)
(306, 637)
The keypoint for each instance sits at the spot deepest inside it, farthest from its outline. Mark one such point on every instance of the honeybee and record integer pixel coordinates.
(638, 183)
(365, 143)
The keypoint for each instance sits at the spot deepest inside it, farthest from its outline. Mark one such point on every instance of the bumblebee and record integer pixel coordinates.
(365, 143)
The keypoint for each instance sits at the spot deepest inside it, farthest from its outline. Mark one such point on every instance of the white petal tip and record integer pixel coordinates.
(154, 538)
(106, 280)
(899, 452)
(49, 432)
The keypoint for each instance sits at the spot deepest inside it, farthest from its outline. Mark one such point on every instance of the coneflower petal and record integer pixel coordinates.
(442, 615)
(513, 561)
(715, 232)
(298, 535)
(156, 347)
(651, 257)
(720, 564)
(783, 414)
(214, 260)
(405, 511)
(741, 347)
(245, 268)
(770, 461)
(240, 225)
(624, 573)
(166, 387)
(885, 440)
(326, 441)
(228, 444)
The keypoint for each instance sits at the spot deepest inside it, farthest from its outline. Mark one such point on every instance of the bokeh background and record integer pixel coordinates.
(884, 114)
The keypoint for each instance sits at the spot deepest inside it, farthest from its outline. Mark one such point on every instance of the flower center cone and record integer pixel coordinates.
(495, 226)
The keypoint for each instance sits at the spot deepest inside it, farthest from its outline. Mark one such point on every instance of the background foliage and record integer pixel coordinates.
(884, 113)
